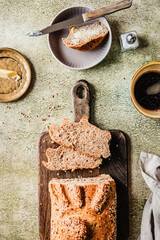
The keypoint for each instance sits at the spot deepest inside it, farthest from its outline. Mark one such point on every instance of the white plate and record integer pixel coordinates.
(72, 58)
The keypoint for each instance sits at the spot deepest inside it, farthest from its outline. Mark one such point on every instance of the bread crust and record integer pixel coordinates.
(82, 137)
(90, 44)
(94, 217)
(64, 159)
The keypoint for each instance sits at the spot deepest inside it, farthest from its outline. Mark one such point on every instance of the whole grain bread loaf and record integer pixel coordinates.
(83, 209)
(83, 137)
(62, 158)
(87, 37)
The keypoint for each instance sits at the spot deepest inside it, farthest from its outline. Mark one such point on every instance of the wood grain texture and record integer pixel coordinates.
(107, 10)
(116, 166)
(81, 105)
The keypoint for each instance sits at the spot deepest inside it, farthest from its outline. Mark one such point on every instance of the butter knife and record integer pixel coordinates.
(83, 18)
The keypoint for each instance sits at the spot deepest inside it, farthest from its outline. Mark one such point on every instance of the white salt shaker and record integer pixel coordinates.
(129, 41)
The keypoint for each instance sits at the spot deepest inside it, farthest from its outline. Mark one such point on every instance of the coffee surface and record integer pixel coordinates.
(147, 101)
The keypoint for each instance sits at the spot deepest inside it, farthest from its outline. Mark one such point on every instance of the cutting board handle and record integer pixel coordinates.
(81, 99)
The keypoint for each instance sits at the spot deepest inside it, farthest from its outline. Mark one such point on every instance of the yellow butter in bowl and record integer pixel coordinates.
(8, 74)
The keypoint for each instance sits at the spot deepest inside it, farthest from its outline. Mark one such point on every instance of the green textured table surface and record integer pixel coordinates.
(49, 99)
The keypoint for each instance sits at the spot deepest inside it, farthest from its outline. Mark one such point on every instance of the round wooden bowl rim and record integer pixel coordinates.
(13, 97)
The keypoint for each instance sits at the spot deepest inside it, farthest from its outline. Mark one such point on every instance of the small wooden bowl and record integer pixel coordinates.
(152, 66)
(26, 74)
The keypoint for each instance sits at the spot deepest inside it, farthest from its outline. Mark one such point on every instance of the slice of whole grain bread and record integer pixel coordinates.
(83, 137)
(87, 37)
(62, 158)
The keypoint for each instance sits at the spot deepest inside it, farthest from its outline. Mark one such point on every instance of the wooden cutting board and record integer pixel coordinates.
(117, 167)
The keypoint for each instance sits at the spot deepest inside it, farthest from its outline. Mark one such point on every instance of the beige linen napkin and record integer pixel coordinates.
(150, 168)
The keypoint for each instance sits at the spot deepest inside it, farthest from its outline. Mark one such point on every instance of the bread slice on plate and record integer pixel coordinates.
(83, 208)
(63, 159)
(82, 137)
(87, 37)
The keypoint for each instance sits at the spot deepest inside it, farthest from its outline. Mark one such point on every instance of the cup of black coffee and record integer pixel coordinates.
(145, 90)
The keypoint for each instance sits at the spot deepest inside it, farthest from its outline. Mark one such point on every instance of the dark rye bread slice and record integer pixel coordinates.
(63, 159)
(82, 137)
(87, 37)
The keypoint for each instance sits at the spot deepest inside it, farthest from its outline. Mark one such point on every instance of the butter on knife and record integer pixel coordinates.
(8, 74)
